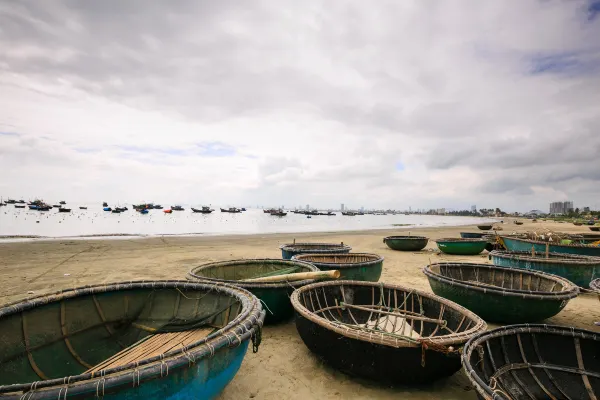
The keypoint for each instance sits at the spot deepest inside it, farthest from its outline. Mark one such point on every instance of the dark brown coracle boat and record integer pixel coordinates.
(291, 249)
(383, 332)
(534, 362)
(501, 294)
(152, 339)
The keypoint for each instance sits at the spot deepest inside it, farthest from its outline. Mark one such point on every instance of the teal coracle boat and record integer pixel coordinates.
(578, 269)
(352, 266)
(517, 244)
(134, 340)
(459, 246)
(473, 235)
(274, 295)
(499, 294)
(291, 249)
(406, 243)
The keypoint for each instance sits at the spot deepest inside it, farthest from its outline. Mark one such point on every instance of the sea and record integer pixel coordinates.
(24, 224)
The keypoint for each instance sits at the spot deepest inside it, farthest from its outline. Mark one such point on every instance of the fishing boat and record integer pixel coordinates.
(526, 245)
(62, 202)
(406, 243)
(232, 210)
(121, 209)
(518, 222)
(242, 209)
(144, 211)
(116, 211)
(104, 204)
(21, 201)
(534, 362)
(279, 213)
(473, 235)
(360, 327)
(56, 206)
(44, 208)
(82, 208)
(463, 247)
(352, 266)
(578, 269)
(275, 295)
(177, 208)
(19, 206)
(485, 227)
(168, 211)
(134, 340)
(269, 210)
(595, 228)
(349, 213)
(10, 201)
(157, 207)
(64, 210)
(501, 294)
(107, 209)
(291, 249)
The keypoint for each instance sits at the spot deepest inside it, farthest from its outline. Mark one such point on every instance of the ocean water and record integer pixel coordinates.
(96, 222)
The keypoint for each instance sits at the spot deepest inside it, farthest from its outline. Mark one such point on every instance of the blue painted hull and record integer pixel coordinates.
(204, 380)
(512, 244)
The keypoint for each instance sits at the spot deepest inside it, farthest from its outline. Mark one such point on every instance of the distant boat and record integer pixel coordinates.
(279, 213)
(62, 202)
(44, 208)
(232, 210)
(243, 209)
(64, 210)
(167, 211)
(121, 209)
(21, 201)
(56, 205)
(10, 201)
(308, 216)
(177, 208)
(33, 207)
(82, 208)
(348, 213)
(144, 211)
(269, 210)
(19, 206)
(203, 210)
(105, 204)
(158, 207)
(107, 209)
(116, 211)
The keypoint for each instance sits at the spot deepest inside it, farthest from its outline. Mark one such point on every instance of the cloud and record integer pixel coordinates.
(433, 104)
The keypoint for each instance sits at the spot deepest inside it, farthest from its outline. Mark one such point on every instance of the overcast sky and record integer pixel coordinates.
(382, 104)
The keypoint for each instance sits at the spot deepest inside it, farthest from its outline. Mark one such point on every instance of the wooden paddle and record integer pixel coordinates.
(334, 274)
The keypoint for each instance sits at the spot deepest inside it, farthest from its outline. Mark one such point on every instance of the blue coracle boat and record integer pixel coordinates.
(515, 244)
(175, 340)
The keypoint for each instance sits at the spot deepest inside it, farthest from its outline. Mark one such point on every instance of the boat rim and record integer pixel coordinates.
(443, 340)
(376, 259)
(245, 326)
(551, 243)
(191, 275)
(327, 247)
(460, 240)
(561, 258)
(477, 341)
(570, 289)
(404, 237)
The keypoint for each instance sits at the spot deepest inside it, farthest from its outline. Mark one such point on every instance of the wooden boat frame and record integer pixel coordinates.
(478, 345)
(246, 325)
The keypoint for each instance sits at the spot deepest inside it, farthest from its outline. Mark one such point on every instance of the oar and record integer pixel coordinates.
(334, 274)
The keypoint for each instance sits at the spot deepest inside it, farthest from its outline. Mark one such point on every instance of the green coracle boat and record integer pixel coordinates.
(578, 269)
(291, 249)
(274, 295)
(500, 294)
(406, 243)
(526, 245)
(460, 246)
(134, 340)
(473, 235)
(352, 266)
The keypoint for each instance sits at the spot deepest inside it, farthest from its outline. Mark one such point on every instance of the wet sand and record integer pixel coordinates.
(283, 368)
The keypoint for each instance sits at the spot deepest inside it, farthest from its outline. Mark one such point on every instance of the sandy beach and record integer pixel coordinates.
(283, 368)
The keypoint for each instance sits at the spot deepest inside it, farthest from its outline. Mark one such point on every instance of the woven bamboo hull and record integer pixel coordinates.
(513, 244)
(484, 227)
(579, 274)
(369, 274)
(406, 243)
(473, 235)
(276, 302)
(534, 362)
(352, 267)
(375, 362)
(497, 308)
(463, 248)
(291, 250)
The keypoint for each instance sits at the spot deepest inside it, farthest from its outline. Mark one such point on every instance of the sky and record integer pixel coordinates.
(391, 104)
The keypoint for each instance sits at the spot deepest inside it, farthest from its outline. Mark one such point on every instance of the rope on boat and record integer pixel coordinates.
(256, 337)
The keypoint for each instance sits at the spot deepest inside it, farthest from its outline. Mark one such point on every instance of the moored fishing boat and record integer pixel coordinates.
(19, 206)
(352, 266)
(279, 213)
(534, 362)
(177, 208)
(144, 211)
(275, 295)
(168, 211)
(232, 210)
(107, 209)
(82, 208)
(519, 244)
(291, 249)
(171, 339)
(500, 294)
(485, 227)
(473, 235)
(406, 243)
(576, 268)
(595, 228)
(359, 327)
(64, 210)
(460, 246)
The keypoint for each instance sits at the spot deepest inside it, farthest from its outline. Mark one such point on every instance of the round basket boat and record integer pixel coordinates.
(500, 294)
(595, 228)
(383, 332)
(352, 266)
(534, 362)
(134, 340)
(578, 269)
(291, 249)
(473, 235)
(484, 227)
(275, 295)
(406, 243)
(463, 247)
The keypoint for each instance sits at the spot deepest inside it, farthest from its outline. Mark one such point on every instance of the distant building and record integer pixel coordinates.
(474, 209)
(342, 207)
(307, 207)
(561, 207)
(586, 209)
